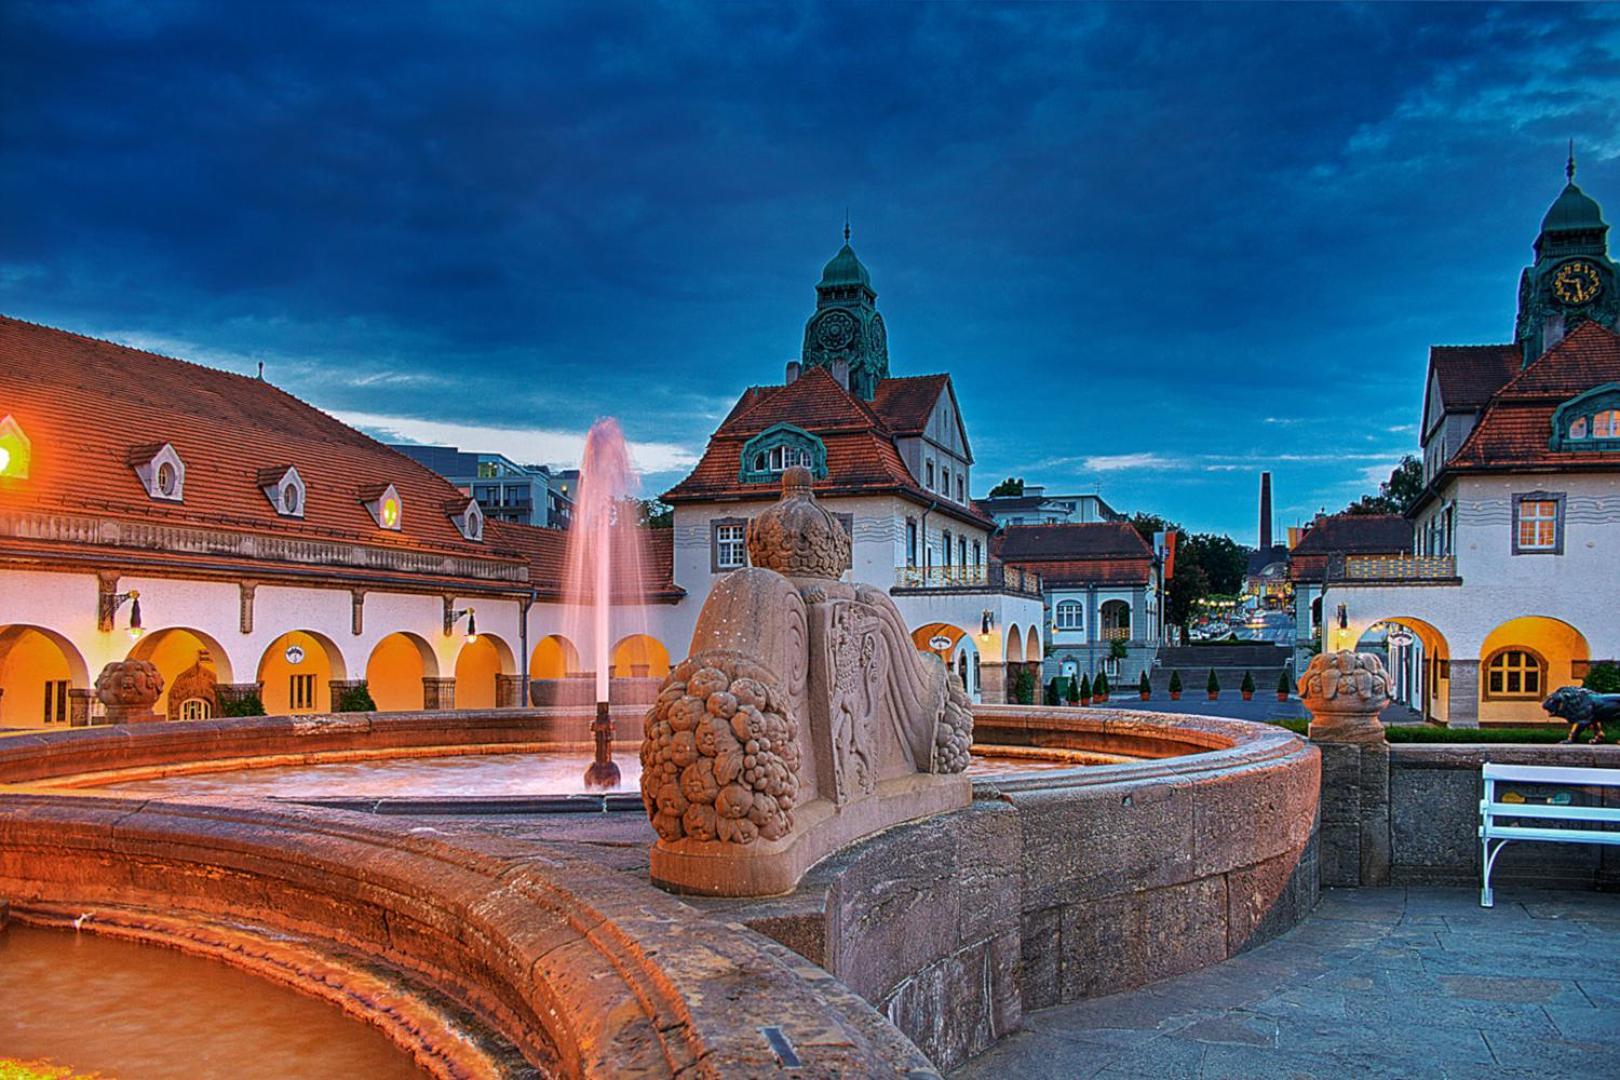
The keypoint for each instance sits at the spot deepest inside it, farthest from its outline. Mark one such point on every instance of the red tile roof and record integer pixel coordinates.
(1514, 432)
(91, 408)
(1348, 534)
(1102, 553)
(547, 553)
(1470, 374)
(862, 457)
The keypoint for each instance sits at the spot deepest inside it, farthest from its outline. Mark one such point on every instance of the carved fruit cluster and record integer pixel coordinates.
(129, 683)
(1344, 674)
(953, 735)
(720, 759)
(797, 536)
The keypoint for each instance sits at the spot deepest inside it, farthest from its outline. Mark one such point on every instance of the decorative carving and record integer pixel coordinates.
(106, 589)
(193, 684)
(853, 708)
(129, 688)
(720, 759)
(245, 592)
(1345, 691)
(357, 611)
(796, 537)
(953, 736)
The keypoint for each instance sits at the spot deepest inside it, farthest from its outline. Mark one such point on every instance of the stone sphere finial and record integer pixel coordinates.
(129, 688)
(1345, 691)
(797, 537)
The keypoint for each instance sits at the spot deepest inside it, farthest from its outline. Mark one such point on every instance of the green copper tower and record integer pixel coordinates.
(846, 334)
(1573, 279)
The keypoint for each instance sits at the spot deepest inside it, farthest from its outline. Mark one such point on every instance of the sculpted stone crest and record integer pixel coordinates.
(129, 689)
(804, 719)
(1345, 691)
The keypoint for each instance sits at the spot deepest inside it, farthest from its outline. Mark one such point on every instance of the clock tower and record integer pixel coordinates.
(1573, 279)
(846, 334)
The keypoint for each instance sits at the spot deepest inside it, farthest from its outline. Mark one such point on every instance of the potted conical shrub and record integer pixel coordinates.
(1175, 686)
(1213, 686)
(1085, 689)
(1073, 690)
(1283, 689)
(1099, 688)
(1247, 687)
(1144, 687)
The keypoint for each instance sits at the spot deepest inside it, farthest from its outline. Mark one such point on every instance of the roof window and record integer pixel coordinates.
(15, 449)
(468, 518)
(160, 471)
(1588, 422)
(778, 448)
(383, 503)
(285, 489)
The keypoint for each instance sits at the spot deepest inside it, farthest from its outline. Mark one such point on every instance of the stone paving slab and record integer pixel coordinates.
(1401, 982)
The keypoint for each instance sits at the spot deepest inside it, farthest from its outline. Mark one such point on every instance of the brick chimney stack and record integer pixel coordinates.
(1265, 511)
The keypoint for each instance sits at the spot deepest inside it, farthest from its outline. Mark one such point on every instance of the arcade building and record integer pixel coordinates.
(263, 555)
(1510, 587)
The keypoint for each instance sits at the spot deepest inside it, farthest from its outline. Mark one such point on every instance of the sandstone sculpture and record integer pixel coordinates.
(804, 718)
(1345, 691)
(129, 689)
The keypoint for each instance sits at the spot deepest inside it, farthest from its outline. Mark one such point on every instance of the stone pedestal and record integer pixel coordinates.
(1462, 696)
(338, 687)
(1345, 692)
(508, 691)
(129, 689)
(79, 707)
(438, 695)
(227, 695)
(992, 683)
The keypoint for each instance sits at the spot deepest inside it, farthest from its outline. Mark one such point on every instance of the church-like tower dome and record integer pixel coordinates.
(844, 269)
(846, 334)
(1573, 210)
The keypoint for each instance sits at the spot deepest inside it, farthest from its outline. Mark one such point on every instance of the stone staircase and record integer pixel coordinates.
(1262, 659)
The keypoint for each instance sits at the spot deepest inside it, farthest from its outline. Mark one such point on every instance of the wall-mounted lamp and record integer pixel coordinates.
(1344, 617)
(454, 615)
(987, 623)
(111, 602)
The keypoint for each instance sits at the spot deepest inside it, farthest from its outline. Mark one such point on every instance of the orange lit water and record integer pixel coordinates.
(136, 1012)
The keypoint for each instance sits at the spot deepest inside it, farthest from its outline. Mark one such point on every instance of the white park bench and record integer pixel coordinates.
(1552, 823)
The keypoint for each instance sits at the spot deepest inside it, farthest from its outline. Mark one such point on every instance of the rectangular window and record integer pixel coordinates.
(1070, 616)
(961, 489)
(1538, 523)
(961, 550)
(977, 554)
(56, 701)
(911, 542)
(730, 550)
(301, 693)
(945, 549)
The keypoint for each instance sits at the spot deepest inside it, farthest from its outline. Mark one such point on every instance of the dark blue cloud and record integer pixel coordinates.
(1159, 247)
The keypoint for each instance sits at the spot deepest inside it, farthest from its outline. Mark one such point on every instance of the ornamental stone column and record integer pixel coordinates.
(1345, 692)
(508, 691)
(129, 689)
(79, 707)
(438, 695)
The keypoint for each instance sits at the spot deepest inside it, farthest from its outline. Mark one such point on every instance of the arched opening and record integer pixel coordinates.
(37, 669)
(965, 667)
(1115, 616)
(1522, 662)
(1015, 645)
(1032, 645)
(191, 663)
(1418, 660)
(297, 672)
(395, 671)
(640, 656)
(554, 658)
(478, 667)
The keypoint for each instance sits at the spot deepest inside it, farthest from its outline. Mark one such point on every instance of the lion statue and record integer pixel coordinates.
(1584, 710)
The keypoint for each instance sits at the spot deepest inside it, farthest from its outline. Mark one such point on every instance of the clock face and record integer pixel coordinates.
(1577, 282)
(878, 336)
(836, 331)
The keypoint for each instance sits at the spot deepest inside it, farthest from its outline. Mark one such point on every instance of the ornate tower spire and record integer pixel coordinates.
(846, 334)
(1569, 174)
(1573, 279)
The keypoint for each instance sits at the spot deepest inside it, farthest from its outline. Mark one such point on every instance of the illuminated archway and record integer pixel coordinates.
(1420, 668)
(478, 665)
(1032, 644)
(297, 670)
(395, 671)
(555, 657)
(1523, 661)
(175, 650)
(640, 656)
(1015, 645)
(37, 668)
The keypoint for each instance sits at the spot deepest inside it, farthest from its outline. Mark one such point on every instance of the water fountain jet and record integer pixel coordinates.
(604, 565)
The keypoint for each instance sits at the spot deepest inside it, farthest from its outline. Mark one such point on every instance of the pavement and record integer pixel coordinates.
(1375, 983)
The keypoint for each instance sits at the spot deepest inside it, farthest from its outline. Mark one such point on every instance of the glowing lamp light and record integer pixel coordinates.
(472, 627)
(390, 512)
(5, 460)
(986, 623)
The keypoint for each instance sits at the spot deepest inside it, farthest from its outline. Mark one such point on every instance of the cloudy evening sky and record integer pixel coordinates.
(1159, 248)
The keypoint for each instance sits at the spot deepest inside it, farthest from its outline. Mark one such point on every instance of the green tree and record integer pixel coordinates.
(1074, 690)
(654, 514)
(1397, 493)
(1224, 560)
(1603, 679)
(355, 699)
(1247, 686)
(1013, 485)
(1175, 682)
(246, 705)
(1143, 686)
(1214, 684)
(1099, 686)
(1284, 686)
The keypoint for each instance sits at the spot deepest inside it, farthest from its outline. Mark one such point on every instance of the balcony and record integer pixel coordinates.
(993, 577)
(1114, 633)
(1394, 569)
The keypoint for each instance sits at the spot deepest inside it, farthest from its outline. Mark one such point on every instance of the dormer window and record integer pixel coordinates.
(778, 448)
(382, 502)
(15, 449)
(467, 517)
(285, 490)
(1588, 422)
(160, 470)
